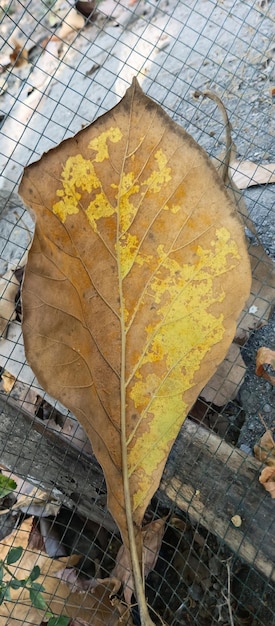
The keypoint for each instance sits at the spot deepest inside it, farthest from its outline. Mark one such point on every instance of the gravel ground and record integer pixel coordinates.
(257, 395)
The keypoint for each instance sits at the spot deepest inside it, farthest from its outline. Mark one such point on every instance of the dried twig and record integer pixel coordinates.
(227, 596)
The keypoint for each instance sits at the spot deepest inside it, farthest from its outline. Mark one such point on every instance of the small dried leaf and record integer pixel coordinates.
(32, 500)
(246, 173)
(265, 449)
(265, 357)
(72, 21)
(152, 537)
(8, 381)
(267, 479)
(19, 55)
(8, 290)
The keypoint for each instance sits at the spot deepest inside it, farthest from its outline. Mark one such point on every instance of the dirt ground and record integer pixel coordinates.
(175, 49)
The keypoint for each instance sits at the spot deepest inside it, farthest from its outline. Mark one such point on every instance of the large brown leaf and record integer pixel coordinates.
(137, 273)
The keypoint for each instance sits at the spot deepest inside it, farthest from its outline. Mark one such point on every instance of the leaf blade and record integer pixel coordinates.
(14, 555)
(148, 254)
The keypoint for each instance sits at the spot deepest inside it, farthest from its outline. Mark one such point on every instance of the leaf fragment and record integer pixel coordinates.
(19, 55)
(50, 592)
(265, 357)
(267, 479)
(30, 499)
(265, 449)
(246, 173)
(72, 22)
(152, 535)
(8, 290)
(7, 381)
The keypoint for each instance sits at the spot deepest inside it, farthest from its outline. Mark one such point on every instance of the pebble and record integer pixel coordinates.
(267, 408)
(245, 448)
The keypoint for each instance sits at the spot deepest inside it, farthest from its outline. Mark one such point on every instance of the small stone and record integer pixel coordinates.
(267, 408)
(245, 395)
(245, 448)
(236, 521)
(253, 309)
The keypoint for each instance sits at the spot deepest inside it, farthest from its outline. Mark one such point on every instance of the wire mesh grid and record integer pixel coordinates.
(216, 559)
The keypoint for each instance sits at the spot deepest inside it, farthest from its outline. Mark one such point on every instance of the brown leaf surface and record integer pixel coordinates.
(19, 55)
(246, 173)
(30, 499)
(7, 381)
(265, 357)
(265, 449)
(8, 290)
(72, 22)
(152, 535)
(267, 479)
(137, 273)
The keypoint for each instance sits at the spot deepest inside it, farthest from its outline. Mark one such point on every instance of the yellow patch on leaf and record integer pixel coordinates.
(100, 144)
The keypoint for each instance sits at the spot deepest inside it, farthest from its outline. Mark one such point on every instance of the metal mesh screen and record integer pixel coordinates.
(61, 67)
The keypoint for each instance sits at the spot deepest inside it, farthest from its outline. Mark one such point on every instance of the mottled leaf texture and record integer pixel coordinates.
(137, 273)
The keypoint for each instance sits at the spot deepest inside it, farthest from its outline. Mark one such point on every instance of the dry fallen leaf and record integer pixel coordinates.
(31, 499)
(137, 273)
(191, 569)
(265, 449)
(152, 535)
(72, 22)
(265, 357)
(19, 54)
(267, 479)
(246, 173)
(61, 600)
(7, 381)
(8, 289)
